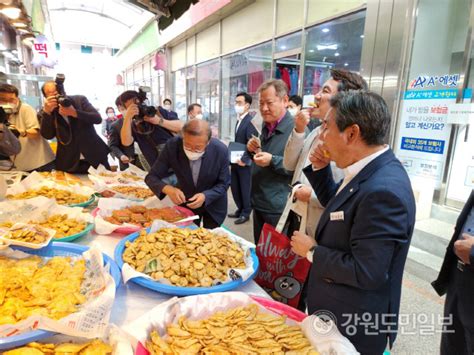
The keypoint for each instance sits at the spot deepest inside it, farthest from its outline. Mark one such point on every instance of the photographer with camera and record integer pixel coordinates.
(9, 143)
(21, 119)
(71, 120)
(144, 125)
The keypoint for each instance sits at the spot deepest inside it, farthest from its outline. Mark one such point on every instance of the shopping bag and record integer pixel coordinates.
(282, 273)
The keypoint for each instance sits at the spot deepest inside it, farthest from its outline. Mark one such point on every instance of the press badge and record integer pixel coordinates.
(337, 216)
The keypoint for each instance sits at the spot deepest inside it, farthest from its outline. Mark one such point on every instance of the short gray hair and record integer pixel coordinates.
(197, 128)
(366, 109)
(280, 87)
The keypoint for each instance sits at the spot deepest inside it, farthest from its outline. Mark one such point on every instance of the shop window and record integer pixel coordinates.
(288, 60)
(334, 44)
(180, 93)
(207, 94)
(243, 71)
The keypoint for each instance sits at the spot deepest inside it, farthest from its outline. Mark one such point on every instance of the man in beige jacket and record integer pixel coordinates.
(298, 148)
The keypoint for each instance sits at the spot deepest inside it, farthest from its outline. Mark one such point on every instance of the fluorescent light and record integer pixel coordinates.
(19, 24)
(361, 36)
(311, 51)
(23, 30)
(283, 47)
(11, 12)
(346, 64)
(336, 54)
(325, 30)
(321, 47)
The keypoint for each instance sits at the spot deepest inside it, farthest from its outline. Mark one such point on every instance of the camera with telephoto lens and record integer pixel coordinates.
(63, 100)
(143, 109)
(4, 113)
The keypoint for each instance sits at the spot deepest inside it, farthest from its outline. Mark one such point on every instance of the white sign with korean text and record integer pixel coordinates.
(424, 133)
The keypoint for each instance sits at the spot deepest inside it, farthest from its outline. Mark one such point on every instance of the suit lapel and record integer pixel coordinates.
(205, 164)
(185, 168)
(351, 188)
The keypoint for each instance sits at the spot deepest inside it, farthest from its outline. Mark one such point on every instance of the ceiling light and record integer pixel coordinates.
(23, 30)
(346, 64)
(311, 51)
(321, 47)
(11, 12)
(283, 47)
(325, 30)
(361, 36)
(336, 54)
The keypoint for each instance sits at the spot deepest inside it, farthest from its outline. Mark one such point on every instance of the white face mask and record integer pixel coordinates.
(239, 109)
(198, 116)
(167, 107)
(193, 155)
(9, 108)
(110, 115)
(293, 111)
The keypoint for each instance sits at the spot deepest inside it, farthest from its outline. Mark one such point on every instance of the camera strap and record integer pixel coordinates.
(56, 126)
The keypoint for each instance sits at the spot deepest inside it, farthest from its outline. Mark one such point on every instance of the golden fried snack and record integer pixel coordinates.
(134, 191)
(242, 330)
(144, 217)
(185, 257)
(131, 177)
(62, 197)
(31, 286)
(63, 225)
(94, 347)
(28, 234)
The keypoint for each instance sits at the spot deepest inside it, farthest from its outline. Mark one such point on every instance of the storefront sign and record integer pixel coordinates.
(423, 81)
(424, 133)
(43, 53)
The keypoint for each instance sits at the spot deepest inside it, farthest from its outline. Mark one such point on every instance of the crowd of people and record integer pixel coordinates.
(331, 157)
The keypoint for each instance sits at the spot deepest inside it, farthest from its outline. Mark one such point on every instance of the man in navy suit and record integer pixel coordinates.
(201, 165)
(79, 145)
(456, 278)
(364, 233)
(241, 173)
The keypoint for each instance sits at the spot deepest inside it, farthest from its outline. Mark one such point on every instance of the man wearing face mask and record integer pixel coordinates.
(195, 112)
(35, 154)
(241, 174)
(125, 154)
(201, 165)
(166, 111)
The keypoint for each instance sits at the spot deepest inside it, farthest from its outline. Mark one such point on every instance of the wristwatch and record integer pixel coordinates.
(309, 254)
(161, 121)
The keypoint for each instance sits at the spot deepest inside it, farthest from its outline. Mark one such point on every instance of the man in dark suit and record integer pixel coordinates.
(364, 233)
(201, 165)
(456, 278)
(166, 111)
(240, 170)
(79, 145)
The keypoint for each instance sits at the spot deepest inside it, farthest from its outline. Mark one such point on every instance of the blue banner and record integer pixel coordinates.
(425, 145)
(430, 94)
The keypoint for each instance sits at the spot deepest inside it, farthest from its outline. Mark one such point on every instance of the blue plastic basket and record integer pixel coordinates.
(54, 249)
(89, 227)
(177, 290)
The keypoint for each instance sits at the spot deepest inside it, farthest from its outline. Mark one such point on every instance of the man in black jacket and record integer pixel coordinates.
(241, 169)
(79, 145)
(456, 279)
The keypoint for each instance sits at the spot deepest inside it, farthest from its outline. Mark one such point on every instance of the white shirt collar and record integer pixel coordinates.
(241, 117)
(354, 169)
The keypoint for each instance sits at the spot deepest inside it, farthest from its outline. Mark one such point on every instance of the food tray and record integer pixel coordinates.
(54, 249)
(177, 290)
(83, 204)
(129, 229)
(89, 227)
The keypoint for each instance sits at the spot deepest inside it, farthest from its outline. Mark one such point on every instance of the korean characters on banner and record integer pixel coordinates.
(44, 53)
(424, 133)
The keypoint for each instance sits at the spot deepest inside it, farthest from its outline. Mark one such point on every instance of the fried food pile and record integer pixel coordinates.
(143, 217)
(134, 191)
(242, 330)
(62, 178)
(28, 234)
(63, 225)
(32, 286)
(94, 347)
(62, 197)
(185, 257)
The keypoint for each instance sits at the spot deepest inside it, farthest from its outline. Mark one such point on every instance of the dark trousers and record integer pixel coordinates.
(458, 337)
(207, 221)
(240, 187)
(259, 219)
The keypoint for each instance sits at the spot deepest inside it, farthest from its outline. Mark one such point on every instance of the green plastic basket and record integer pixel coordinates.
(89, 227)
(84, 204)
